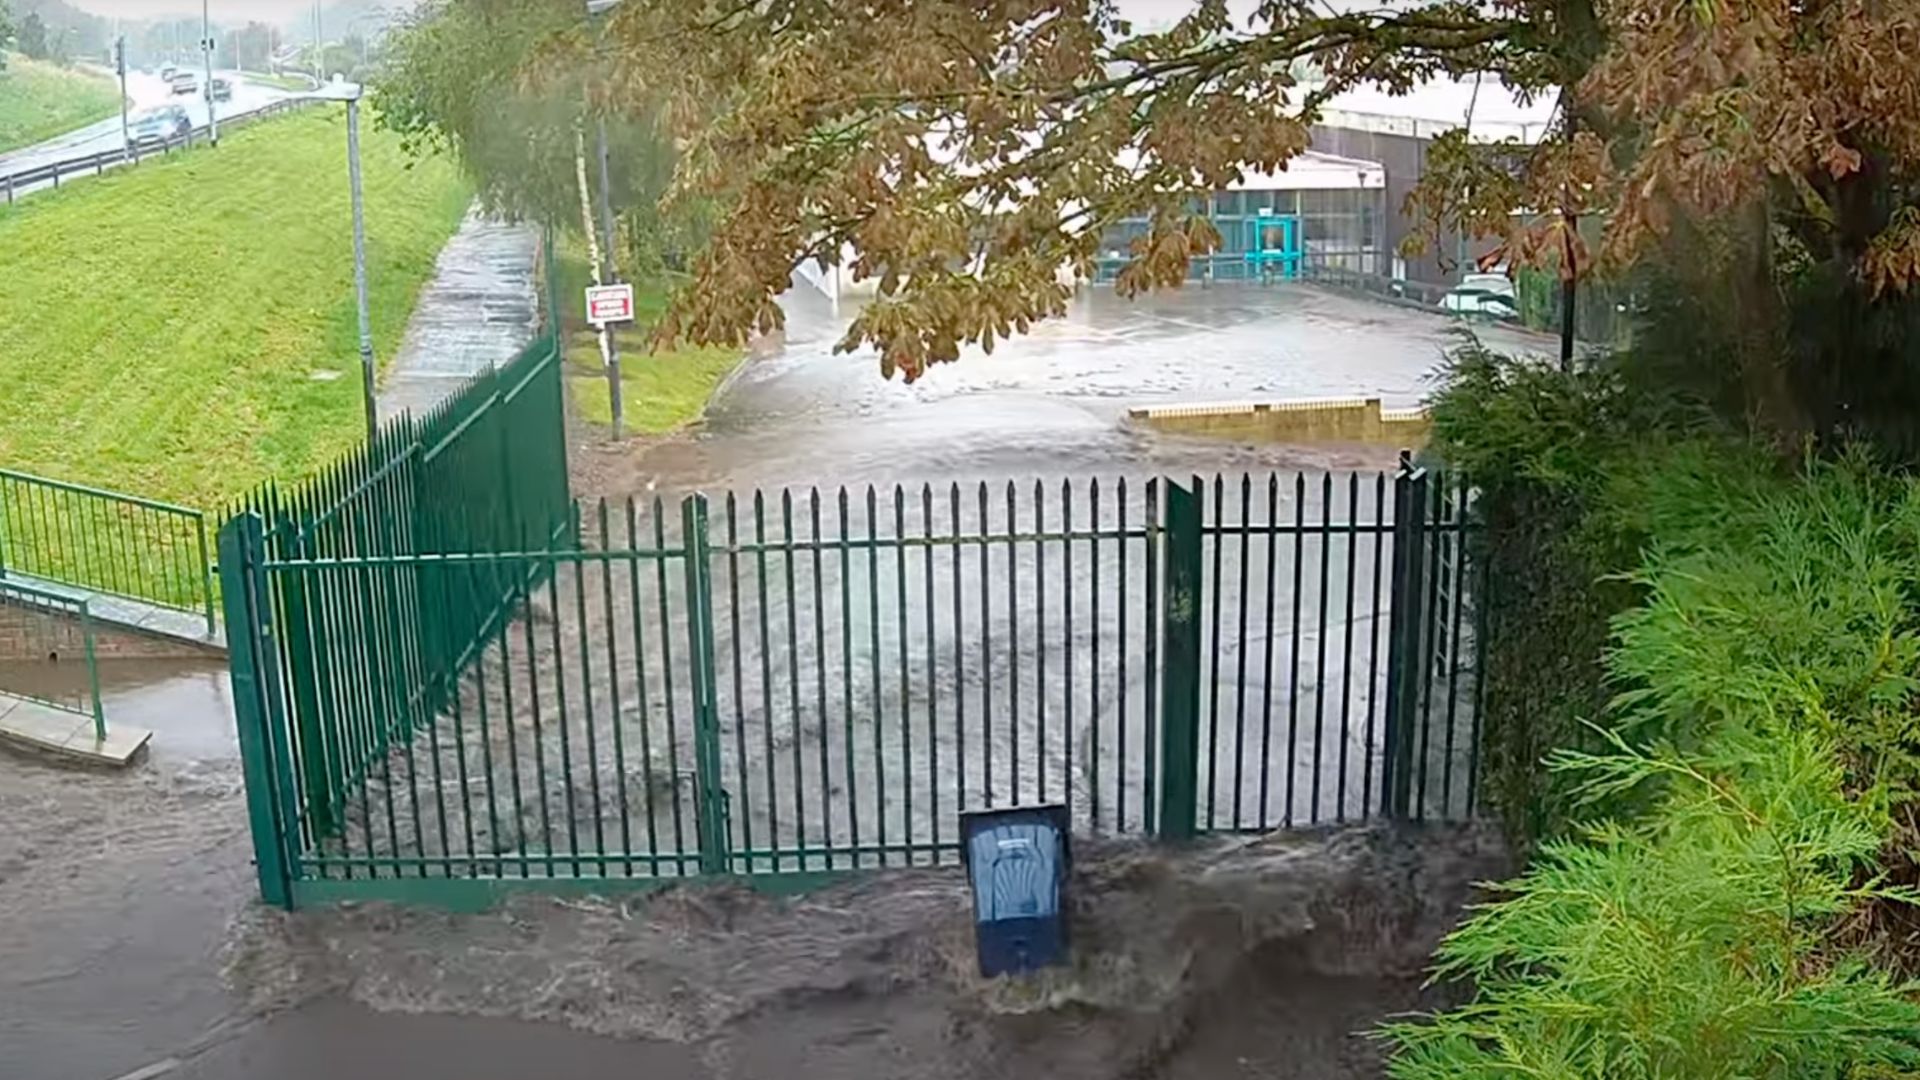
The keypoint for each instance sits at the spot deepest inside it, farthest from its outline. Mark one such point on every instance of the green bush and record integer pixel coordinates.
(1575, 471)
(1804, 594)
(1745, 904)
(1695, 945)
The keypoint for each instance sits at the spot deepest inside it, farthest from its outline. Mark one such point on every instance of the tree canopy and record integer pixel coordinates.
(964, 153)
(458, 76)
(31, 38)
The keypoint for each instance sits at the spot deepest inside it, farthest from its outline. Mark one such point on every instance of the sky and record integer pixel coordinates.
(230, 10)
(282, 10)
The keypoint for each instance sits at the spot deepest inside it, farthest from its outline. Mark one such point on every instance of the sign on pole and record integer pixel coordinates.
(609, 304)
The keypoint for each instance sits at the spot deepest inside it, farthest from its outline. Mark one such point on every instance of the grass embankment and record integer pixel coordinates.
(661, 391)
(40, 100)
(186, 329)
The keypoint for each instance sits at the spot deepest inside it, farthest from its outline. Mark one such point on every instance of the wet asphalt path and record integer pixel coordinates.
(479, 309)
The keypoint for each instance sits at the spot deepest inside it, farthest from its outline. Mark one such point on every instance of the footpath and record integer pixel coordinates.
(481, 308)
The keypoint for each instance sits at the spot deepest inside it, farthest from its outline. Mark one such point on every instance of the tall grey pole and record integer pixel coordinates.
(120, 64)
(360, 266)
(206, 50)
(615, 403)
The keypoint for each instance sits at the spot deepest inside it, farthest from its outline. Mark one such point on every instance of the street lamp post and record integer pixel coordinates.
(350, 93)
(120, 65)
(360, 264)
(206, 51)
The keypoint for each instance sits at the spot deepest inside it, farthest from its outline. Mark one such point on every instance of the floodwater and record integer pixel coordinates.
(866, 692)
(119, 888)
(1226, 958)
(1051, 405)
(886, 654)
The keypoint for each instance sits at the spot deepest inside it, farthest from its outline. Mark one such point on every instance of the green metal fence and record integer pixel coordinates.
(783, 684)
(47, 652)
(105, 542)
(364, 659)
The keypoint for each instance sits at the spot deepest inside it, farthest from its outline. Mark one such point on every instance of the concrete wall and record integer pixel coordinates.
(29, 633)
(1353, 420)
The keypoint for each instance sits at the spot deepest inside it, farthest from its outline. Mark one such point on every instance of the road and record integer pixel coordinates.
(145, 92)
(1051, 404)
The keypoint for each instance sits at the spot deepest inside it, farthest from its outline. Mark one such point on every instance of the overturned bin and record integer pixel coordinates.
(1017, 862)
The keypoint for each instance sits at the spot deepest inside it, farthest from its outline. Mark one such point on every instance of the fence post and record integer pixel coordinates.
(1180, 660)
(242, 548)
(93, 672)
(710, 796)
(206, 567)
(1405, 627)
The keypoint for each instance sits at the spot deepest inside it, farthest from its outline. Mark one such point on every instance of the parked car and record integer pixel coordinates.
(167, 72)
(184, 83)
(222, 89)
(1483, 295)
(157, 126)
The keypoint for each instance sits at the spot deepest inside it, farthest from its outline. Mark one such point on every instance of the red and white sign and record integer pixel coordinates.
(609, 304)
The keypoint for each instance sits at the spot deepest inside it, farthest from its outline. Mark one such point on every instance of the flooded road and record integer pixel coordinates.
(1050, 405)
(119, 888)
(887, 653)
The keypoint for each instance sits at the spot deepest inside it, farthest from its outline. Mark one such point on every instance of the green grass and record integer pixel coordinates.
(39, 101)
(661, 391)
(161, 326)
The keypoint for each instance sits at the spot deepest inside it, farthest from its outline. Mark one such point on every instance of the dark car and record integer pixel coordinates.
(158, 126)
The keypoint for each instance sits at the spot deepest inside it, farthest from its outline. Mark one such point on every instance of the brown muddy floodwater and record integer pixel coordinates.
(1254, 959)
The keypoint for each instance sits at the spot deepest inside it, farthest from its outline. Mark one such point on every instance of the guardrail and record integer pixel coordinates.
(1399, 290)
(37, 626)
(105, 542)
(20, 183)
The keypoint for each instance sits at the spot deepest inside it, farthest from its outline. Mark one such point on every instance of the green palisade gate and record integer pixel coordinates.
(452, 681)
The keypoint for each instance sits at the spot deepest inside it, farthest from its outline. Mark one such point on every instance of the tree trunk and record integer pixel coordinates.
(1758, 322)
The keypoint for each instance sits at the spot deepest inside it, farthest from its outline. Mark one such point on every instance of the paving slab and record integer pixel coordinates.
(69, 735)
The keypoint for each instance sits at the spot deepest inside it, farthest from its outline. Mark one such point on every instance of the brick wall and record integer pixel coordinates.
(31, 632)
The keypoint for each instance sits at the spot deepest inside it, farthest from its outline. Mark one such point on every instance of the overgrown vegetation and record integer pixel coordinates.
(186, 329)
(40, 100)
(1698, 942)
(664, 388)
(1719, 652)
(458, 78)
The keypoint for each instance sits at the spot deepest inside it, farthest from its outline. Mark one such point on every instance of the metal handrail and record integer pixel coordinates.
(80, 610)
(106, 542)
(132, 155)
